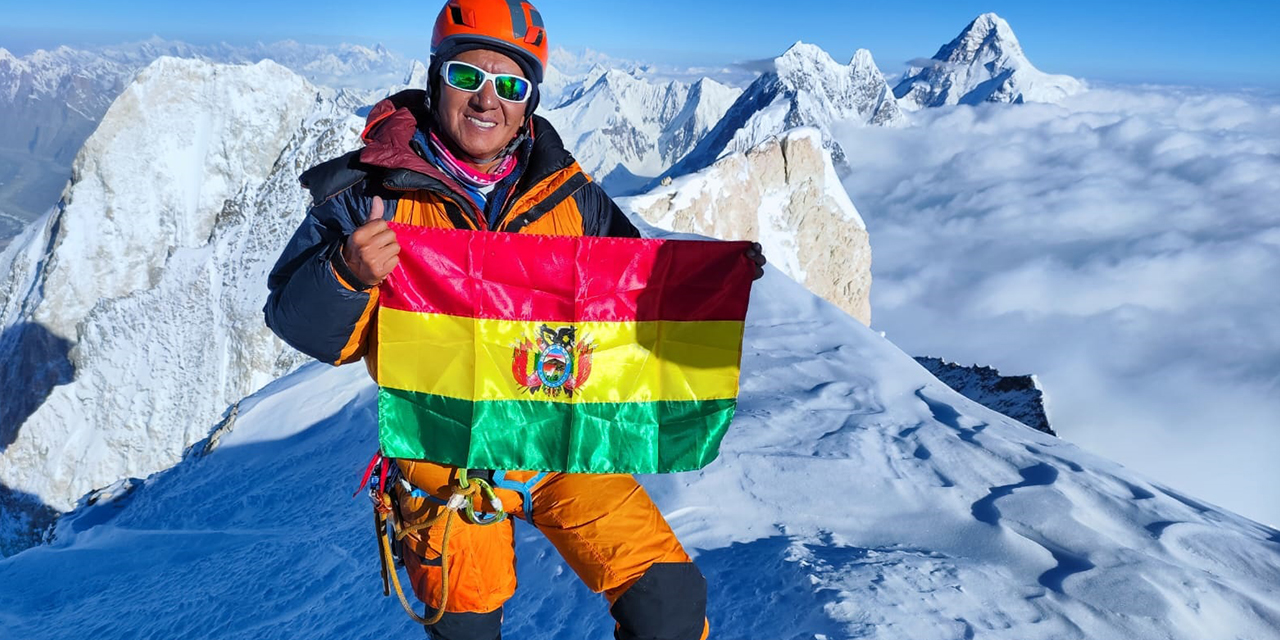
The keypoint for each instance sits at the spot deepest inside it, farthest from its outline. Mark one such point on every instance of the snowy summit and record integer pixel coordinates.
(985, 63)
(855, 497)
(806, 88)
(625, 129)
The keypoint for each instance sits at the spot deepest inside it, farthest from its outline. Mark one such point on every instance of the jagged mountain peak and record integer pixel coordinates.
(802, 49)
(985, 63)
(808, 67)
(988, 25)
(625, 127)
(612, 75)
(807, 87)
(988, 37)
(417, 75)
(862, 59)
(804, 59)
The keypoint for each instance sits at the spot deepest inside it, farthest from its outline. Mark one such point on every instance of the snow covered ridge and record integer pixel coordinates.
(50, 101)
(45, 73)
(985, 63)
(625, 130)
(148, 280)
(785, 194)
(806, 88)
(854, 497)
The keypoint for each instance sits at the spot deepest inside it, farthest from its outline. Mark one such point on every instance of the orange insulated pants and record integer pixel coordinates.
(605, 526)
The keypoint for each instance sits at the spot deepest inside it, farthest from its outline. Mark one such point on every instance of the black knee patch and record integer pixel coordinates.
(668, 603)
(467, 626)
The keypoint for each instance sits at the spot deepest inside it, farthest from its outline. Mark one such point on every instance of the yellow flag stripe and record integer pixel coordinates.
(471, 359)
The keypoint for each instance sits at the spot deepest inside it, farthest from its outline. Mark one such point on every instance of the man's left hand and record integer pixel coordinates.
(756, 254)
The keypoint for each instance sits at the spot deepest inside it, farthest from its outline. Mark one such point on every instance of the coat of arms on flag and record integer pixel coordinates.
(556, 353)
(560, 362)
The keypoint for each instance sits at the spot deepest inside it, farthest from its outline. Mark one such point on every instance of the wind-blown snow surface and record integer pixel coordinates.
(1123, 245)
(854, 497)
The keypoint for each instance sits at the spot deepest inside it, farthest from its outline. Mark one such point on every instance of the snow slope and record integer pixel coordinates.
(855, 497)
(985, 63)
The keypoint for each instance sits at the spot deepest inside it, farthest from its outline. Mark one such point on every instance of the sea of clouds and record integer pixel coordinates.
(1124, 246)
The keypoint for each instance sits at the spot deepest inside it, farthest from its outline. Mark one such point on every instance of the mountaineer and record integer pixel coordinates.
(469, 153)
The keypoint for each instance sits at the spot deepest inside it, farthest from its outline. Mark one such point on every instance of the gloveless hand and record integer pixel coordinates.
(371, 252)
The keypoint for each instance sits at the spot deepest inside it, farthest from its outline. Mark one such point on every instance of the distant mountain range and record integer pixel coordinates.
(629, 123)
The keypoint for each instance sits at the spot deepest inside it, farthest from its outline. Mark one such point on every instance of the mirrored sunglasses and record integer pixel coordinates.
(469, 78)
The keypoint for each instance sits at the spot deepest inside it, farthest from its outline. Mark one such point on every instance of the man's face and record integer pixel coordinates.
(480, 124)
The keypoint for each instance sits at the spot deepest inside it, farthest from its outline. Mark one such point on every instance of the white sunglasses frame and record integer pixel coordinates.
(485, 77)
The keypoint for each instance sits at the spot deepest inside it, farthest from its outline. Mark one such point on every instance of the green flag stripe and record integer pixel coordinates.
(631, 437)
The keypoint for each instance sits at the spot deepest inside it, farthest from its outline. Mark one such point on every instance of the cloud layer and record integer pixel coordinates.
(1124, 246)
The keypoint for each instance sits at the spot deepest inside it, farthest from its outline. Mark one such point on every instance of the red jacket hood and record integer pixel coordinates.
(390, 126)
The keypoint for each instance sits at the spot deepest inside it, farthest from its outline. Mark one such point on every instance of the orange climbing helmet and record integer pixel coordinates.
(511, 26)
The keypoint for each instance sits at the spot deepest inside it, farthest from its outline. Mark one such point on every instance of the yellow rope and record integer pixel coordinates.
(468, 490)
(389, 562)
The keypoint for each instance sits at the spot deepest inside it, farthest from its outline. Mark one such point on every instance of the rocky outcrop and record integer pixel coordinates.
(1019, 397)
(785, 194)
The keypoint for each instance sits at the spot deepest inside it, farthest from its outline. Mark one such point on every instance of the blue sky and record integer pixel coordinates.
(1227, 43)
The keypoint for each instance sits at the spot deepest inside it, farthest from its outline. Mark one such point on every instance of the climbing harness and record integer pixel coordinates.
(525, 489)
(390, 531)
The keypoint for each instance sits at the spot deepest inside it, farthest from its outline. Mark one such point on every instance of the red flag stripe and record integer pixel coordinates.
(509, 276)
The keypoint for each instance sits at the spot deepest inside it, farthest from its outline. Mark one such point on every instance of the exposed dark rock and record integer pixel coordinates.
(1018, 397)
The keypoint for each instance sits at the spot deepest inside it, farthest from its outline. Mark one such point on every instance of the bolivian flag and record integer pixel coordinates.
(576, 354)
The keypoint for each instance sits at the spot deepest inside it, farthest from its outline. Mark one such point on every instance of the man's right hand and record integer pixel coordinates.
(372, 251)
